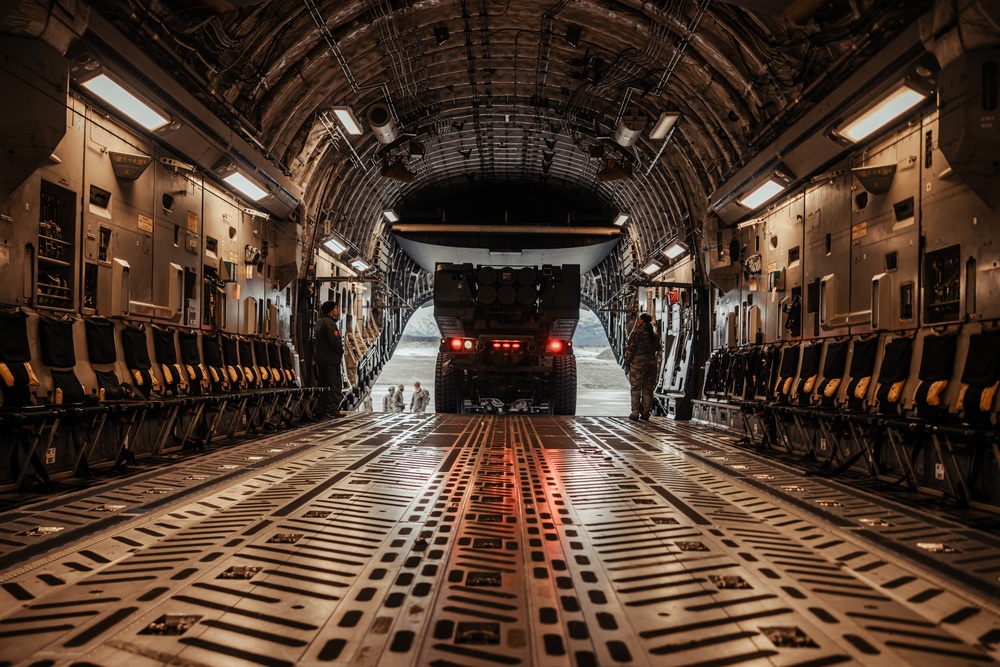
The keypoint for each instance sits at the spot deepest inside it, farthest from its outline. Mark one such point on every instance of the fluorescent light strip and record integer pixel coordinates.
(651, 268)
(621, 219)
(390, 215)
(675, 250)
(126, 102)
(767, 191)
(334, 246)
(359, 265)
(245, 185)
(666, 121)
(347, 120)
(893, 106)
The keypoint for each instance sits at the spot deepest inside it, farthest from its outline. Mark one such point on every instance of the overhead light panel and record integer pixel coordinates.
(390, 215)
(347, 119)
(621, 219)
(239, 181)
(675, 250)
(360, 265)
(114, 94)
(893, 105)
(651, 268)
(767, 191)
(334, 246)
(664, 124)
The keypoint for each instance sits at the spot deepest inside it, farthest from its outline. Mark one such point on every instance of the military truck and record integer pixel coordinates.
(506, 338)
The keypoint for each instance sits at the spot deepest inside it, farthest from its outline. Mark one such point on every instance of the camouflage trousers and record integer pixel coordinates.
(642, 378)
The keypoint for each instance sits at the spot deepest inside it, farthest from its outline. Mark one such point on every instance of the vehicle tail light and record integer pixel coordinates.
(555, 346)
(456, 344)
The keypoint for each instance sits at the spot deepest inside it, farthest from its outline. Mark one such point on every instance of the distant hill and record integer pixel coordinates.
(422, 326)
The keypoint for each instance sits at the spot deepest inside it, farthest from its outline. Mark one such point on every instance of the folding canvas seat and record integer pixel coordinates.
(767, 376)
(231, 359)
(175, 377)
(263, 366)
(16, 375)
(211, 352)
(893, 373)
(288, 364)
(713, 374)
(55, 341)
(833, 373)
(980, 377)
(190, 357)
(136, 353)
(29, 429)
(737, 373)
(753, 362)
(274, 364)
(786, 372)
(103, 356)
(861, 371)
(245, 346)
(808, 371)
(937, 365)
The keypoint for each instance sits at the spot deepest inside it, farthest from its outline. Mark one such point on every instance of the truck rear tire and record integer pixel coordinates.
(445, 388)
(564, 385)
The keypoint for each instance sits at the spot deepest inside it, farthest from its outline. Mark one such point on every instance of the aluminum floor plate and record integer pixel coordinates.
(469, 540)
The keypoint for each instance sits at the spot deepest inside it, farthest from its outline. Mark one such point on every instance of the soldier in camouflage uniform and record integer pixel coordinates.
(640, 363)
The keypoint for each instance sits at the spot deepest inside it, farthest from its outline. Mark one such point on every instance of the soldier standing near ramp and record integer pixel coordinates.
(640, 363)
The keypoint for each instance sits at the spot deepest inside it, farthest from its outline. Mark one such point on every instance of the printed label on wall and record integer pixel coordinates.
(145, 223)
(192, 222)
(859, 231)
(234, 256)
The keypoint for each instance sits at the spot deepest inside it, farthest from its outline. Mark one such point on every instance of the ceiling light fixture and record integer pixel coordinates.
(334, 245)
(663, 126)
(360, 265)
(347, 119)
(115, 94)
(764, 192)
(238, 179)
(891, 106)
(776, 183)
(651, 268)
(390, 215)
(621, 219)
(675, 250)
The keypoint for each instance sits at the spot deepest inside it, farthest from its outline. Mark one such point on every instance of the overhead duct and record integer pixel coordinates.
(58, 24)
(953, 29)
(34, 74)
(382, 123)
(629, 129)
(969, 134)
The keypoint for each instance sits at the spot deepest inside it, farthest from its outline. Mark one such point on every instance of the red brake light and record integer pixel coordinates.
(456, 344)
(555, 346)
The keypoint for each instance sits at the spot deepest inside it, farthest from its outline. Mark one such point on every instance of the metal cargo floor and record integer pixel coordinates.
(473, 540)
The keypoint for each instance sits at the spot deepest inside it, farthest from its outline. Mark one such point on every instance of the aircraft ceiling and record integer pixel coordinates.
(505, 111)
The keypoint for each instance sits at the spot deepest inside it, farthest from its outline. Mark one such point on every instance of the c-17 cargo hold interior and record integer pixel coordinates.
(804, 195)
